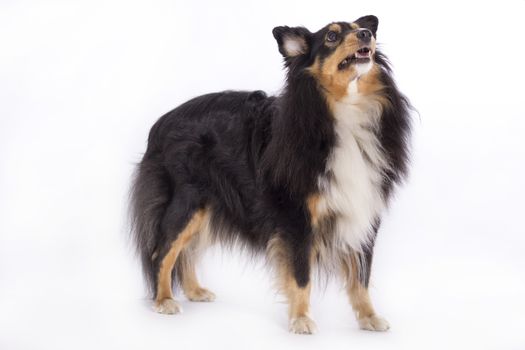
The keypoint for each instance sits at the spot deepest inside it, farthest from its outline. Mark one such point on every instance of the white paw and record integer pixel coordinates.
(168, 306)
(302, 325)
(201, 294)
(373, 323)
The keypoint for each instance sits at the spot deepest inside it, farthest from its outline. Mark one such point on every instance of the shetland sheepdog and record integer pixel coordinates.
(302, 177)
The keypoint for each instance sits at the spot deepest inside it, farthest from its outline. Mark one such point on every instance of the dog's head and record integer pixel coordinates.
(335, 55)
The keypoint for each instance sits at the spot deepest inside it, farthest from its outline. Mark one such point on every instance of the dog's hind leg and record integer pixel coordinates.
(191, 224)
(188, 278)
(356, 269)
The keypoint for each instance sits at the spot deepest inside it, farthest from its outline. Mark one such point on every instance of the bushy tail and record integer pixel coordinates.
(149, 197)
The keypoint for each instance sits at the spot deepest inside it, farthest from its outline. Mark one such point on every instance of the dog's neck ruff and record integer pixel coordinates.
(351, 188)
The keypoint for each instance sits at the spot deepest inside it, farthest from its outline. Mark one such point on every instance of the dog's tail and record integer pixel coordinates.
(149, 197)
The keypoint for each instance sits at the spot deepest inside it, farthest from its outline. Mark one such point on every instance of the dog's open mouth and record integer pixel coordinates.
(362, 55)
(363, 52)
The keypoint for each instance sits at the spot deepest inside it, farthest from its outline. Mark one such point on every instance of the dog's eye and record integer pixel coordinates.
(331, 36)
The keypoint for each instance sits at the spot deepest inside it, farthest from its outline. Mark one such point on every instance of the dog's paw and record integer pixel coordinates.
(302, 325)
(373, 323)
(200, 294)
(168, 306)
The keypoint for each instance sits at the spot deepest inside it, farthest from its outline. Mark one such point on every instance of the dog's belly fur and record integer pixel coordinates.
(351, 189)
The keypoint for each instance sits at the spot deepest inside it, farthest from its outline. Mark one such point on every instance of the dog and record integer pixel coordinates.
(302, 177)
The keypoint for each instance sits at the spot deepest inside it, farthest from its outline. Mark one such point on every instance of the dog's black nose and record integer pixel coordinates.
(364, 35)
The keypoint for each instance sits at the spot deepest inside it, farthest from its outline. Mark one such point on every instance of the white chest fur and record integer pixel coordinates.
(352, 187)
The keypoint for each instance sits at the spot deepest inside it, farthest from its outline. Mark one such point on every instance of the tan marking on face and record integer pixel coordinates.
(166, 266)
(334, 81)
(370, 84)
(334, 27)
(354, 25)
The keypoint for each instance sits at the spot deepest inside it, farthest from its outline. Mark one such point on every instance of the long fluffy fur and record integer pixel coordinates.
(252, 161)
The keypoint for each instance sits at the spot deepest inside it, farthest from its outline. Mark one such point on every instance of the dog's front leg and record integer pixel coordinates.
(292, 264)
(357, 267)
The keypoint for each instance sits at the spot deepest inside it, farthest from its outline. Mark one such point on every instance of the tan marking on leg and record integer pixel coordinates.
(298, 297)
(166, 266)
(360, 299)
(188, 279)
(357, 293)
(298, 306)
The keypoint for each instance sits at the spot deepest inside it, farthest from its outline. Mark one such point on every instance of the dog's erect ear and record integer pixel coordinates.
(368, 22)
(292, 41)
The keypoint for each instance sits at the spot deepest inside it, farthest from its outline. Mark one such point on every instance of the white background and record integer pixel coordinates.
(81, 82)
